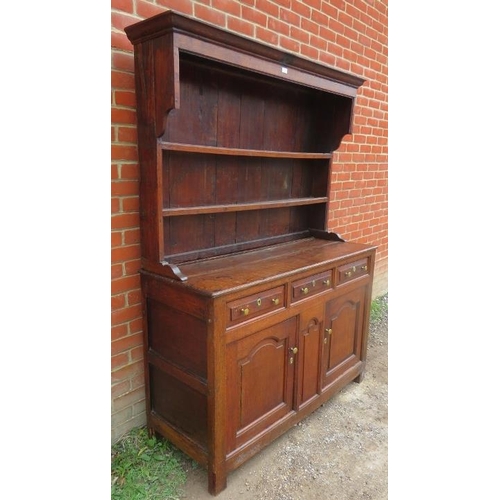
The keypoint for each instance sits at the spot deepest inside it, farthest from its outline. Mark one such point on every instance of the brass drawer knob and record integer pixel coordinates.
(364, 268)
(245, 311)
(275, 301)
(348, 273)
(259, 302)
(305, 290)
(294, 350)
(326, 282)
(328, 330)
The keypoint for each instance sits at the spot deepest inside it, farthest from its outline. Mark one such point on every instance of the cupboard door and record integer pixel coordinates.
(260, 371)
(343, 333)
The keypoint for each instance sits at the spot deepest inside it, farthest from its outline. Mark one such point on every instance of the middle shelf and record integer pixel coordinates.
(240, 207)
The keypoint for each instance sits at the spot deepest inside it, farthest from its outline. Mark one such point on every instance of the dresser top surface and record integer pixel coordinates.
(222, 275)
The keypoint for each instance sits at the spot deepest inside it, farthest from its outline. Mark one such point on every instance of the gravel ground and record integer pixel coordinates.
(338, 452)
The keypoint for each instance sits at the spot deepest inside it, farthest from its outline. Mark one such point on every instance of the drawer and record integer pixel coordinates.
(304, 288)
(255, 305)
(351, 271)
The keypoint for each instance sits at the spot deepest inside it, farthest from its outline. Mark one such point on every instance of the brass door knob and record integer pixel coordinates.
(328, 330)
(294, 350)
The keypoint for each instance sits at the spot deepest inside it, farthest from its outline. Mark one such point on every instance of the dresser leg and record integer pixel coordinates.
(217, 482)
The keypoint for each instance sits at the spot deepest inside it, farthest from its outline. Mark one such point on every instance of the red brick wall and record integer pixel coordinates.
(351, 35)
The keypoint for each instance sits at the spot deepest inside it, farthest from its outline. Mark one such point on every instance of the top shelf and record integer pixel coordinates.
(192, 148)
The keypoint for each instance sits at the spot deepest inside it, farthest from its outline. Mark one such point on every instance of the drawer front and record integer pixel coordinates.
(255, 305)
(351, 271)
(304, 288)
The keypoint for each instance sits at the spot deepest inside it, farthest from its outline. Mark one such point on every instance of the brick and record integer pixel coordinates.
(139, 408)
(132, 267)
(116, 271)
(120, 388)
(125, 284)
(266, 6)
(121, 20)
(309, 26)
(137, 354)
(119, 331)
(115, 205)
(126, 343)
(343, 41)
(230, 7)
(122, 80)
(134, 297)
(120, 152)
(123, 116)
(122, 316)
(120, 41)
(119, 360)
(126, 372)
(278, 26)
(123, 253)
(327, 58)
(330, 10)
(266, 36)
(124, 188)
(315, 4)
(327, 34)
(122, 221)
(240, 26)
(130, 204)
(127, 134)
(310, 52)
(335, 49)
(345, 19)
(336, 26)
(130, 171)
(123, 5)
(343, 64)
(131, 237)
(205, 14)
(118, 430)
(299, 35)
(137, 380)
(147, 9)
(253, 16)
(125, 98)
(318, 43)
(135, 325)
(118, 301)
(182, 6)
(122, 61)
(116, 238)
(300, 8)
(129, 399)
(289, 17)
(319, 18)
(289, 44)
